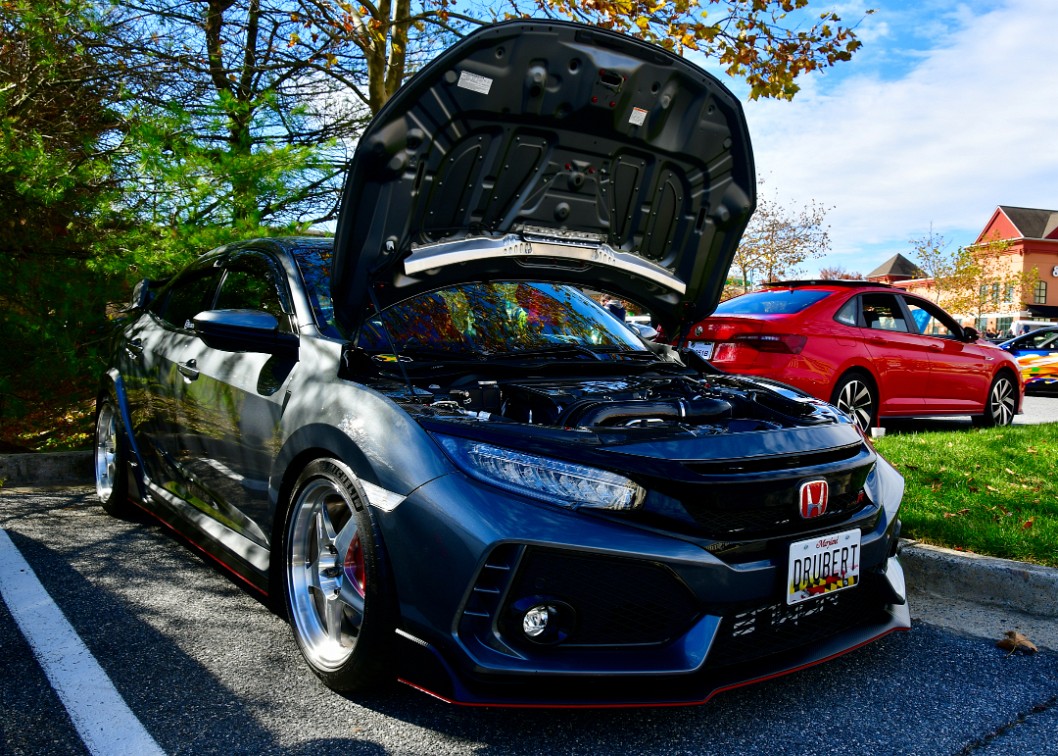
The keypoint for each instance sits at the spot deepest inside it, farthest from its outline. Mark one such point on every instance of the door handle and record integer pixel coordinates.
(188, 369)
(134, 347)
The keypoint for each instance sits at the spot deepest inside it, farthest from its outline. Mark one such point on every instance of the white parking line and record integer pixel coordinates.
(99, 713)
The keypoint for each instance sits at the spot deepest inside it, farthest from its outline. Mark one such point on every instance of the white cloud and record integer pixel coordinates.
(940, 138)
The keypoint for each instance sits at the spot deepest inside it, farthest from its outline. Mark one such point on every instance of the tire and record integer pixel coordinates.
(111, 461)
(856, 395)
(342, 610)
(1001, 403)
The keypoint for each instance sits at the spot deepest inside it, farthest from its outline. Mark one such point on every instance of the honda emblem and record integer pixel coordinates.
(814, 496)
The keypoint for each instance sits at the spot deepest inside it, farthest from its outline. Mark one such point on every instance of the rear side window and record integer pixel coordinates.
(771, 302)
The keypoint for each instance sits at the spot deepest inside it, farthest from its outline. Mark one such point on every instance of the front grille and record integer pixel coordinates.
(617, 601)
(776, 628)
(749, 516)
(760, 498)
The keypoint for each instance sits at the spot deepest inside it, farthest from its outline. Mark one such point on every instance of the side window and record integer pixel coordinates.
(250, 283)
(881, 312)
(190, 293)
(847, 314)
(931, 321)
(1040, 340)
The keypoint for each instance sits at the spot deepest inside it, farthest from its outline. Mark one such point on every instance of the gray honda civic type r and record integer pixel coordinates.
(448, 465)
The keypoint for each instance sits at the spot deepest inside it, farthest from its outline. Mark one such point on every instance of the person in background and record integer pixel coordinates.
(616, 308)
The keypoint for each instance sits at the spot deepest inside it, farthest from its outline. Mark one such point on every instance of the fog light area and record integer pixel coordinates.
(536, 620)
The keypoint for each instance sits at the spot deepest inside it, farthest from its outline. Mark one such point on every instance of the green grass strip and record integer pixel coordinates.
(991, 491)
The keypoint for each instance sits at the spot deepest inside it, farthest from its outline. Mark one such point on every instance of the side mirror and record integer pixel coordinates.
(142, 294)
(245, 331)
(970, 334)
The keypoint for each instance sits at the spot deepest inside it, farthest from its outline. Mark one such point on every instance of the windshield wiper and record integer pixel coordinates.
(564, 350)
(644, 354)
(434, 353)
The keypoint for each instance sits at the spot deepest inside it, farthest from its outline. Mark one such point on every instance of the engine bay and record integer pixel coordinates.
(718, 403)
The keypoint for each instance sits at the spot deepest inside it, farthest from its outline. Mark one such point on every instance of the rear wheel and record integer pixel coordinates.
(111, 471)
(1001, 404)
(342, 608)
(855, 394)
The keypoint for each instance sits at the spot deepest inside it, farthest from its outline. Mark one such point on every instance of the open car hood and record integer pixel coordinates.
(551, 152)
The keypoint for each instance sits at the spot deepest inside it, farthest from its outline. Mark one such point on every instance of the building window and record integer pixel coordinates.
(1040, 295)
(995, 293)
(1009, 295)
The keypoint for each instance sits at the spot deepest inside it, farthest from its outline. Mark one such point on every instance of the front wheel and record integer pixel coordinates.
(111, 471)
(856, 396)
(338, 588)
(1001, 404)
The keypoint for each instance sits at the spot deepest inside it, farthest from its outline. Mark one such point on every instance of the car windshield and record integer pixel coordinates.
(771, 302)
(492, 319)
(499, 319)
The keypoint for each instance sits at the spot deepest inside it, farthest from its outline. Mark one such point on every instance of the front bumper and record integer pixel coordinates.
(427, 669)
(653, 619)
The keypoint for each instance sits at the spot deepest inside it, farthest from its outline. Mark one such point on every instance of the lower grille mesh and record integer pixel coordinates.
(617, 601)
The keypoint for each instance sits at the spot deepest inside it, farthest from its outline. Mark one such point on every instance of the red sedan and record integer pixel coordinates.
(873, 350)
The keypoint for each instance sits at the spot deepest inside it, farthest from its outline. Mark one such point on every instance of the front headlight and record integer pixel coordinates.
(562, 483)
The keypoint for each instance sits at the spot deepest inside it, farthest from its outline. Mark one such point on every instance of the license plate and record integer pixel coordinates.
(823, 565)
(703, 348)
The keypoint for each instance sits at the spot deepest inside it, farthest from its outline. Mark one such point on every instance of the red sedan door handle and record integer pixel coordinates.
(188, 369)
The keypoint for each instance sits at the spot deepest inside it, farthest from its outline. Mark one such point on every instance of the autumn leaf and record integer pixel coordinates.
(1013, 641)
(1027, 524)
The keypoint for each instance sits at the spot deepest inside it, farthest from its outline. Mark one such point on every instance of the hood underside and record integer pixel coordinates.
(550, 152)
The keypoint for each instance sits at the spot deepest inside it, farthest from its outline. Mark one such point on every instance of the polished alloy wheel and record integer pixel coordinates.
(106, 452)
(326, 573)
(854, 397)
(1002, 402)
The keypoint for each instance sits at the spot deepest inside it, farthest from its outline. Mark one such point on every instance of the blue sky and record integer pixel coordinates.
(947, 111)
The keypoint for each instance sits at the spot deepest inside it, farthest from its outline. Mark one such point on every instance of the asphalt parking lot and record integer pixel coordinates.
(203, 667)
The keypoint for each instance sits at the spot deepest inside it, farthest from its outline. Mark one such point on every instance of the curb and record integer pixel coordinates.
(1018, 586)
(1022, 587)
(46, 469)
